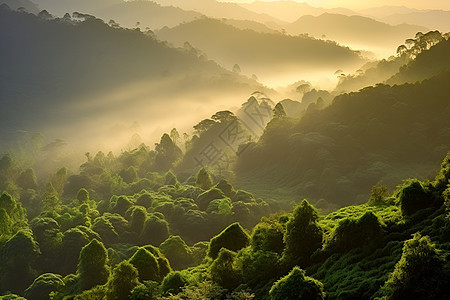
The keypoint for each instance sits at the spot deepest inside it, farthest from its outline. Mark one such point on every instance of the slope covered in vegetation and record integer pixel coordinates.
(379, 133)
(59, 241)
(57, 72)
(255, 52)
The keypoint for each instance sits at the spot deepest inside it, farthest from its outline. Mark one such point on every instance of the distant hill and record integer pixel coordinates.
(432, 19)
(28, 5)
(354, 30)
(289, 11)
(147, 13)
(385, 11)
(86, 76)
(60, 7)
(216, 9)
(252, 25)
(263, 54)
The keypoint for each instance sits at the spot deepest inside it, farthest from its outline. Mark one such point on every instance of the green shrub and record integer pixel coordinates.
(178, 253)
(205, 198)
(233, 238)
(123, 280)
(155, 231)
(173, 282)
(413, 198)
(203, 179)
(225, 270)
(303, 235)
(92, 265)
(268, 237)
(420, 273)
(43, 285)
(146, 264)
(297, 286)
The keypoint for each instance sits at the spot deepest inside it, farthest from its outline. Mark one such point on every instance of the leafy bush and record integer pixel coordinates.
(155, 231)
(414, 197)
(353, 233)
(173, 282)
(123, 280)
(146, 265)
(233, 238)
(420, 273)
(92, 265)
(225, 270)
(178, 253)
(303, 235)
(296, 285)
(43, 285)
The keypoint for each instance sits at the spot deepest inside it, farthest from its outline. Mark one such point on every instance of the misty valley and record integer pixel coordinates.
(232, 150)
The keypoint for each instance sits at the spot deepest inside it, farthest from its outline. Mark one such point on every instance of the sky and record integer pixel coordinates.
(362, 4)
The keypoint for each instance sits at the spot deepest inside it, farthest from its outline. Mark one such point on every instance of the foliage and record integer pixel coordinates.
(303, 235)
(167, 154)
(225, 270)
(419, 273)
(146, 265)
(205, 198)
(353, 233)
(378, 194)
(296, 285)
(43, 285)
(92, 265)
(155, 231)
(232, 238)
(16, 258)
(147, 290)
(173, 282)
(177, 252)
(413, 197)
(268, 236)
(259, 267)
(124, 279)
(203, 179)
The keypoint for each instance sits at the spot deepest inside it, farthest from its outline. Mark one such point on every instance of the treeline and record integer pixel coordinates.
(404, 67)
(244, 47)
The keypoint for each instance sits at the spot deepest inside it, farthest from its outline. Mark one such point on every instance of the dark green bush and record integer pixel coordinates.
(146, 264)
(233, 238)
(173, 282)
(297, 286)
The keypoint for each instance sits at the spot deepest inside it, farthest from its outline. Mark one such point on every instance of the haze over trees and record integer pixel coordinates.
(255, 52)
(73, 79)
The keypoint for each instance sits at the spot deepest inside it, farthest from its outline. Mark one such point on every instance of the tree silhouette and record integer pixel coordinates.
(303, 235)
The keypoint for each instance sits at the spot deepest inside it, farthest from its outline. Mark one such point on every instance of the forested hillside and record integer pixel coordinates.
(353, 29)
(255, 52)
(376, 134)
(416, 60)
(61, 70)
(129, 233)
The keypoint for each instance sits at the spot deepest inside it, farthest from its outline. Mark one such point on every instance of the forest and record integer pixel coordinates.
(157, 161)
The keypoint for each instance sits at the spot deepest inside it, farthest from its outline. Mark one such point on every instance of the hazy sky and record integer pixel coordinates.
(358, 4)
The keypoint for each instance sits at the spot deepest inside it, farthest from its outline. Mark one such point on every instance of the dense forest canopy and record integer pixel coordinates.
(134, 168)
